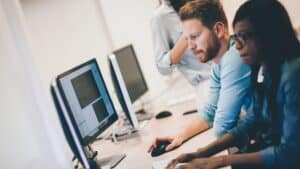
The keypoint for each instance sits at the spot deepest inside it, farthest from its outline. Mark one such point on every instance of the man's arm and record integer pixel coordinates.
(234, 93)
(199, 124)
(196, 126)
(166, 54)
(206, 115)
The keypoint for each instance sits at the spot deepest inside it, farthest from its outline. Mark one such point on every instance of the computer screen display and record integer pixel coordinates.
(131, 72)
(87, 100)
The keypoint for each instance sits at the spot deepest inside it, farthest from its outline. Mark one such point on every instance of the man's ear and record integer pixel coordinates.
(219, 29)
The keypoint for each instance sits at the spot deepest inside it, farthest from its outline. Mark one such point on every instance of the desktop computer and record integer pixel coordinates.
(129, 82)
(85, 110)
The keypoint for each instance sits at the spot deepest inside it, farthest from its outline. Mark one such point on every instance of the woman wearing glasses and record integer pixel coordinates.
(265, 39)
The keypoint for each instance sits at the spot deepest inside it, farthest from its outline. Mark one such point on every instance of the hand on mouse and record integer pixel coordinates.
(175, 142)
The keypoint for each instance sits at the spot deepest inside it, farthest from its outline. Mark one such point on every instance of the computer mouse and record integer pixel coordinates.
(163, 114)
(160, 148)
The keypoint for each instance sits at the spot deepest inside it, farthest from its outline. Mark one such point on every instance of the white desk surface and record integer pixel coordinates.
(136, 148)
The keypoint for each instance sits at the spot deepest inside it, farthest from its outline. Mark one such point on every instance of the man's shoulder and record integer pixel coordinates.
(232, 56)
(232, 61)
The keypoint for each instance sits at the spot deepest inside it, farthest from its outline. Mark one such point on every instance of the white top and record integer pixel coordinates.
(166, 29)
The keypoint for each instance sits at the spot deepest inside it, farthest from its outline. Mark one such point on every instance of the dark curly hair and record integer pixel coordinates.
(177, 4)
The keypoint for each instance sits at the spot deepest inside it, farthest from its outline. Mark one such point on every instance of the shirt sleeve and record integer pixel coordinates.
(208, 111)
(246, 128)
(286, 154)
(234, 93)
(161, 45)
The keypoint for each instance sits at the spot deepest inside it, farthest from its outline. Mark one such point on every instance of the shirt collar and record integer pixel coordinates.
(260, 76)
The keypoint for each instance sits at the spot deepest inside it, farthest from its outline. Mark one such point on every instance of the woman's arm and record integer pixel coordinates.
(286, 154)
(177, 52)
(237, 136)
(250, 160)
(222, 143)
(218, 145)
(161, 44)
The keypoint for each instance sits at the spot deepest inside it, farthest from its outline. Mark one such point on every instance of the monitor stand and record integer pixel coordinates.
(142, 115)
(123, 132)
(110, 162)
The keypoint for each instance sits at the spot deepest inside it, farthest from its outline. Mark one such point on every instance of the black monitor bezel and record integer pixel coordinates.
(87, 140)
(138, 65)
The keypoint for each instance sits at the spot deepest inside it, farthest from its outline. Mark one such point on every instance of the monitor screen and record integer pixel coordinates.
(72, 137)
(87, 100)
(131, 72)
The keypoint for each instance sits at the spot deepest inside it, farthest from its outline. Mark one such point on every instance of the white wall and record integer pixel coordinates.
(230, 7)
(27, 138)
(293, 10)
(129, 22)
(65, 33)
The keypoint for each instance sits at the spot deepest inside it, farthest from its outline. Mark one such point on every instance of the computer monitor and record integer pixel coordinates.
(72, 137)
(131, 72)
(84, 106)
(128, 80)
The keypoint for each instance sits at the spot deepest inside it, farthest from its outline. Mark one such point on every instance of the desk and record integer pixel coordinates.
(136, 148)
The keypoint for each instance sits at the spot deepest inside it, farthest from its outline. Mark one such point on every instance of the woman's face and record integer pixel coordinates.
(246, 42)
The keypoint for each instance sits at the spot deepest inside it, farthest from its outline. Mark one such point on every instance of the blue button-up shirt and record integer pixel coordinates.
(285, 153)
(229, 92)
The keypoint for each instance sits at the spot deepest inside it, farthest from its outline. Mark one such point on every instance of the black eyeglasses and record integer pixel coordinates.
(242, 37)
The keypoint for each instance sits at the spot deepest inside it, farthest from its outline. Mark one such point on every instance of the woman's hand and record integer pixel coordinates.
(183, 158)
(187, 157)
(205, 163)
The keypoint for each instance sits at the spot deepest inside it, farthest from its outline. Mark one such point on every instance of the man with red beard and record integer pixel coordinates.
(206, 30)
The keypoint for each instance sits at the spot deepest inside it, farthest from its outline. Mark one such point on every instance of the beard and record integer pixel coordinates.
(213, 47)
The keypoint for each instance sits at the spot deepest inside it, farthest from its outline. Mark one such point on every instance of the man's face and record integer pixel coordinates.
(201, 40)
